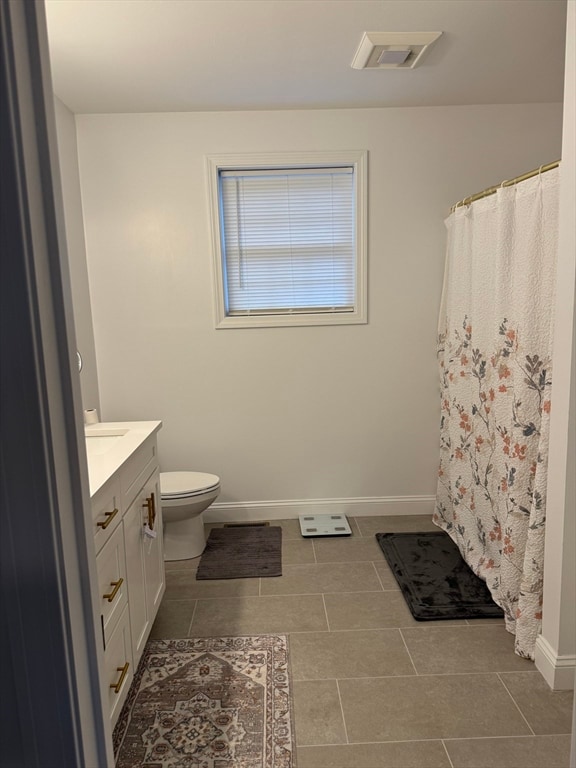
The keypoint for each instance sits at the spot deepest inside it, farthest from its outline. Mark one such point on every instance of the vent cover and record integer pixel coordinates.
(392, 50)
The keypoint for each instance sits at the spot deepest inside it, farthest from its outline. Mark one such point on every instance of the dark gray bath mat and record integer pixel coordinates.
(242, 553)
(435, 580)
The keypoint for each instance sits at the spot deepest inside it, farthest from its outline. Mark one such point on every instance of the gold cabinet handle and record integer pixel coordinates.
(150, 504)
(116, 584)
(123, 672)
(109, 517)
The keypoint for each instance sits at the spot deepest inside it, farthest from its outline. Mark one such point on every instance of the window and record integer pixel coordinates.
(289, 238)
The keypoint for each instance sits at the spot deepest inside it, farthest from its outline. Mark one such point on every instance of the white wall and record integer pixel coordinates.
(286, 413)
(68, 159)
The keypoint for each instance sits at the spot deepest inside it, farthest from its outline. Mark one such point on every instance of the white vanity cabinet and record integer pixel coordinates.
(127, 524)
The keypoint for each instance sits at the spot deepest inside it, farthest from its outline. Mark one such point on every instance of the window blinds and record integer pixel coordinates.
(288, 240)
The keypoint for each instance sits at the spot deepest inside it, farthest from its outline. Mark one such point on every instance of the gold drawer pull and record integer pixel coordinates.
(123, 672)
(109, 517)
(116, 584)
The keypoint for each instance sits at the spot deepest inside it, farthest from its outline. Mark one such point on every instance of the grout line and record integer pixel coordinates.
(515, 704)
(408, 677)
(396, 741)
(351, 631)
(447, 754)
(314, 552)
(408, 652)
(192, 618)
(333, 744)
(373, 564)
(342, 712)
(326, 613)
(516, 736)
(369, 743)
(279, 594)
(426, 741)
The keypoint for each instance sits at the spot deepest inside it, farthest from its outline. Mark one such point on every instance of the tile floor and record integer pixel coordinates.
(372, 687)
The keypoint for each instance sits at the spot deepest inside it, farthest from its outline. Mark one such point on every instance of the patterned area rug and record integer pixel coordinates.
(209, 703)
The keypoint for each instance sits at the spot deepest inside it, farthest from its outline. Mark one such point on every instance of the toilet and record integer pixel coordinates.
(184, 496)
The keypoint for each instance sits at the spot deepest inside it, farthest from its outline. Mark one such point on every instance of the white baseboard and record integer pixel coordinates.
(247, 511)
(558, 671)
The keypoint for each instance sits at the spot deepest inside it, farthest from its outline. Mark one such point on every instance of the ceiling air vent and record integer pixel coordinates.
(392, 50)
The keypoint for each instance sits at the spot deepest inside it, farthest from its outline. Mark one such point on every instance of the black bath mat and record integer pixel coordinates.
(242, 553)
(435, 580)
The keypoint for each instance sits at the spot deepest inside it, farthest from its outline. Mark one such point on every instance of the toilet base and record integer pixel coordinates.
(184, 539)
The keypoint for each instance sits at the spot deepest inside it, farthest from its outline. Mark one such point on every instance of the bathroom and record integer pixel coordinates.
(344, 415)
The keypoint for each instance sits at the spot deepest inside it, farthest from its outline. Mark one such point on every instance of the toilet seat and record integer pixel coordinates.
(185, 485)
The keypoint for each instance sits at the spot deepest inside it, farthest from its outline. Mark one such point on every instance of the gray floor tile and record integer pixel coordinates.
(335, 550)
(362, 653)
(385, 575)
(182, 585)
(398, 716)
(405, 754)
(182, 565)
(428, 707)
(353, 526)
(367, 610)
(485, 622)
(370, 526)
(295, 552)
(374, 610)
(208, 527)
(317, 713)
(519, 752)
(437, 650)
(547, 711)
(290, 528)
(259, 615)
(173, 619)
(323, 577)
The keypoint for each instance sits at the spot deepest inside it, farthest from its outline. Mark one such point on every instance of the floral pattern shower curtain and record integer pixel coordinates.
(494, 349)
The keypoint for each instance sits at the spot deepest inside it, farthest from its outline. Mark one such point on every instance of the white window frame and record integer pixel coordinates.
(358, 159)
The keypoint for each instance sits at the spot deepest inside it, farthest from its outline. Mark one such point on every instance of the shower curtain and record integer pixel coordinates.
(494, 352)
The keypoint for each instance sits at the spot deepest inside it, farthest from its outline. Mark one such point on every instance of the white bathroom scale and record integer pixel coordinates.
(324, 525)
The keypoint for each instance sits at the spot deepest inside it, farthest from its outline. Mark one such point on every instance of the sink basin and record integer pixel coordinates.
(110, 443)
(103, 441)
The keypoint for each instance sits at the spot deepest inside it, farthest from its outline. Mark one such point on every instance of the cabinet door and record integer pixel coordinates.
(153, 549)
(144, 561)
(134, 521)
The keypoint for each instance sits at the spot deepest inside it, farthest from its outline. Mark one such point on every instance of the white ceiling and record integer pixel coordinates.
(190, 55)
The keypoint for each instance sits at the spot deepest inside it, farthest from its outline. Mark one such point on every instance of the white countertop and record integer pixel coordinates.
(109, 444)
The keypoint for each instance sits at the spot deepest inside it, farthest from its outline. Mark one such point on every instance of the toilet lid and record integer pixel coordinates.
(174, 484)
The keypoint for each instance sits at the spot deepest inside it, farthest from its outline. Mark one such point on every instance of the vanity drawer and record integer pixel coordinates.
(118, 670)
(106, 512)
(112, 582)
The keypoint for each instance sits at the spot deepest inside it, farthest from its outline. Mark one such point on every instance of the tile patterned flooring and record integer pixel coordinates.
(372, 687)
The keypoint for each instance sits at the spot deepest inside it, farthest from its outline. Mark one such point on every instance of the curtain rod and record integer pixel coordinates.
(508, 183)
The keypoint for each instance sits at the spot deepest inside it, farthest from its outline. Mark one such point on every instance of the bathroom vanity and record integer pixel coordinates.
(127, 526)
